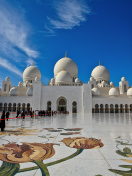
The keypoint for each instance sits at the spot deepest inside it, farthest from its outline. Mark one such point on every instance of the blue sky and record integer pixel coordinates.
(43, 30)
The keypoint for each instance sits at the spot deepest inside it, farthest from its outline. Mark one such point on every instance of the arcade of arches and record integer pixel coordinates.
(117, 108)
(13, 107)
(62, 106)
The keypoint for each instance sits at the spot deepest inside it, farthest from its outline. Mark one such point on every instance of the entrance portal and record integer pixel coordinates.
(62, 104)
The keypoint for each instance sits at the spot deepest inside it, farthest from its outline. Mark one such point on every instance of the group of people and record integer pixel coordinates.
(19, 114)
(45, 113)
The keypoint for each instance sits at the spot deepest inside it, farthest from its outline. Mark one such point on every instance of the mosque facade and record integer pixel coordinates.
(65, 92)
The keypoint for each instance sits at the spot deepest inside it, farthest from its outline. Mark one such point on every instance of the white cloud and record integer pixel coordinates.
(70, 13)
(6, 64)
(14, 31)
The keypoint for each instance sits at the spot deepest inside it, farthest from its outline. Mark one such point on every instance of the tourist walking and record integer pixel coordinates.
(18, 112)
(2, 124)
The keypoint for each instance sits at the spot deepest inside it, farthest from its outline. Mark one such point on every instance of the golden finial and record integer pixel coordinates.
(63, 69)
(66, 54)
(99, 63)
(33, 63)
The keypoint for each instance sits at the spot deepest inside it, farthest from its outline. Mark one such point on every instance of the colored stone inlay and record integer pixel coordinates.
(82, 142)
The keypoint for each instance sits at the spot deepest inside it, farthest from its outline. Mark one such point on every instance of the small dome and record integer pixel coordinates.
(13, 91)
(77, 80)
(53, 80)
(7, 79)
(63, 77)
(92, 79)
(20, 84)
(123, 79)
(68, 64)
(30, 73)
(113, 92)
(129, 92)
(30, 91)
(100, 73)
(111, 84)
(95, 91)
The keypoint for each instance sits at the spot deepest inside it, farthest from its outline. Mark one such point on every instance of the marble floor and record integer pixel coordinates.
(36, 146)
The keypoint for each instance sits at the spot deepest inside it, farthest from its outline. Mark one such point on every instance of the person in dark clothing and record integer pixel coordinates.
(7, 115)
(23, 115)
(3, 121)
(18, 112)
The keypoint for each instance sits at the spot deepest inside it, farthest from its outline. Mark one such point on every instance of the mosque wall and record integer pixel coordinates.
(87, 98)
(70, 93)
(16, 99)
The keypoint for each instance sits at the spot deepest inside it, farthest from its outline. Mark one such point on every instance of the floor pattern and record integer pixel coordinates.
(74, 144)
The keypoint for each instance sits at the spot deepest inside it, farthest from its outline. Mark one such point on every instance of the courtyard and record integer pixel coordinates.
(111, 158)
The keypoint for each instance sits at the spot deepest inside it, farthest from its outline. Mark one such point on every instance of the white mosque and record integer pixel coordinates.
(65, 92)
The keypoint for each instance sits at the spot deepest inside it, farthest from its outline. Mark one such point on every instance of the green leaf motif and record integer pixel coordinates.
(119, 152)
(120, 172)
(9, 169)
(127, 150)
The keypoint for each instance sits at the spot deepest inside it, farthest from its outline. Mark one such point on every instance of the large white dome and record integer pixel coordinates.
(30, 73)
(68, 64)
(100, 73)
(63, 77)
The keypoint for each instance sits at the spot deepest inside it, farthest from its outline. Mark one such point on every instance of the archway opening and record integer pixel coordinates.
(1, 106)
(74, 107)
(62, 104)
(14, 107)
(5, 106)
(126, 108)
(111, 108)
(106, 108)
(96, 108)
(19, 107)
(49, 106)
(101, 108)
(23, 107)
(10, 107)
(121, 108)
(116, 108)
(28, 107)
